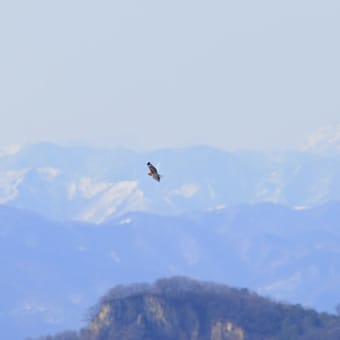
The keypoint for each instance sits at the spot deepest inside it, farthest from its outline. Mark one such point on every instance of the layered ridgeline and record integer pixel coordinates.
(90, 185)
(51, 272)
(183, 309)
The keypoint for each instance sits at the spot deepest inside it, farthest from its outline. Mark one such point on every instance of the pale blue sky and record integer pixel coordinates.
(149, 74)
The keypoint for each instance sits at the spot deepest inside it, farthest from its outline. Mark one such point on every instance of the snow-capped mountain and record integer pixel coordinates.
(95, 185)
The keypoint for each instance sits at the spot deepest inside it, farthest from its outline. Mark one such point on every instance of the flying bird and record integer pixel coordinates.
(153, 172)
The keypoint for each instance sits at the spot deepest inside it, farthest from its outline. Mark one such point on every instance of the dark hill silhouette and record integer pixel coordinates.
(181, 308)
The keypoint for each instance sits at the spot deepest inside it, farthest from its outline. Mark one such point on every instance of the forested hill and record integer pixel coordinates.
(181, 308)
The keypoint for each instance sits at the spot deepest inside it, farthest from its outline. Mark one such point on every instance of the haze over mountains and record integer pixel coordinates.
(53, 272)
(95, 185)
(76, 221)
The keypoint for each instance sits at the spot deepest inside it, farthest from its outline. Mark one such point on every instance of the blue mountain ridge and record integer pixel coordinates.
(53, 271)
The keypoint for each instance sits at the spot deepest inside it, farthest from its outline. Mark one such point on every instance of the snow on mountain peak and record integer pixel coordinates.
(97, 186)
(187, 190)
(9, 182)
(10, 150)
(48, 173)
(117, 199)
(324, 139)
(87, 188)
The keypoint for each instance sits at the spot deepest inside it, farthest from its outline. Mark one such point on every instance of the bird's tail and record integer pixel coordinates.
(157, 177)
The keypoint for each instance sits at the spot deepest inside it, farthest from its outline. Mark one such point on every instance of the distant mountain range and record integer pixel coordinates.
(184, 309)
(51, 272)
(71, 183)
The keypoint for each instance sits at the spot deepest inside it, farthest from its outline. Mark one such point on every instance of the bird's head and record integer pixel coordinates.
(148, 163)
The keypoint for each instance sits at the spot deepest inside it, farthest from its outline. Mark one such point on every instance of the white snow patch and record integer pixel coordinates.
(187, 190)
(9, 182)
(48, 173)
(117, 199)
(324, 139)
(89, 188)
(10, 150)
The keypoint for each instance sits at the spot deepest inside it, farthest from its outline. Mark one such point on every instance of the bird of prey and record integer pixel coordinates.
(153, 172)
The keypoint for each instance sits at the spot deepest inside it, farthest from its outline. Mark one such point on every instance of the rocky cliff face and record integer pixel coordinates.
(183, 309)
(153, 316)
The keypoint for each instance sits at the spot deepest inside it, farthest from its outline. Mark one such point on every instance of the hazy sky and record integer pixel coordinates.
(149, 74)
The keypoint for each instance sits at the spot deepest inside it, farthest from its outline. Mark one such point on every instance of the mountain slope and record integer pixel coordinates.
(180, 308)
(91, 185)
(51, 272)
